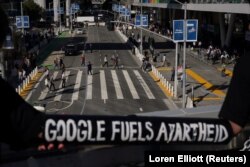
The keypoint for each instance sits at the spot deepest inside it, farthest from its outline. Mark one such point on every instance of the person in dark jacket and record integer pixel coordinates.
(236, 106)
(21, 126)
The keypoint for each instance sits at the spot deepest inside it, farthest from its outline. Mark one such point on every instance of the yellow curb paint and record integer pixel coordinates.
(164, 69)
(228, 72)
(159, 83)
(30, 85)
(205, 83)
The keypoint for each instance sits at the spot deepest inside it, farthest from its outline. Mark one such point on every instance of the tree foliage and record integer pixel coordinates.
(4, 26)
(33, 10)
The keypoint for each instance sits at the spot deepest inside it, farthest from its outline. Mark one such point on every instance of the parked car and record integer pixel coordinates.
(79, 31)
(70, 49)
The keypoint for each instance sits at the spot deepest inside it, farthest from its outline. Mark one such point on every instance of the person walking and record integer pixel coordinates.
(52, 84)
(105, 61)
(89, 68)
(172, 74)
(46, 82)
(116, 62)
(63, 79)
(83, 59)
(223, 70)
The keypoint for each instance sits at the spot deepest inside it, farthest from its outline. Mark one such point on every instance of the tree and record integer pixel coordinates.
(33, 10)
(4, 26)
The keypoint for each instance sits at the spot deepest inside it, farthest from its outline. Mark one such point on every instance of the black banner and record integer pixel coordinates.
(135, 130)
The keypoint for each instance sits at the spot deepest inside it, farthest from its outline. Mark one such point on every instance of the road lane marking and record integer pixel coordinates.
(77, 86)
(144, 85)
(44, 93)
(118, 89)
(60, 91)
(104, 92)
(205, 83)
(130, 85)
(89, 87)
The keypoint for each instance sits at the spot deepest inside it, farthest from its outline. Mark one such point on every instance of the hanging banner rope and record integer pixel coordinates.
(135, 130)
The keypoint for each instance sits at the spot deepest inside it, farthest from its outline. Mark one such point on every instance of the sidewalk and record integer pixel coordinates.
(204, 83)
(44, 54)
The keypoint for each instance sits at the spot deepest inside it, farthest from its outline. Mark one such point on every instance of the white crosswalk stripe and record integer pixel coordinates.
(111, 83)
(44, 92)
(144, 85)
(77, 86)
(60, 91)
(89, 87)
(104, 92)
(118, 89)
(130, 85)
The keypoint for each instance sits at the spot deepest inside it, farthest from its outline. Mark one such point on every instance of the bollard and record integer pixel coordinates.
(172, 91)
(165, 82)
(19, 89)
(167, 85)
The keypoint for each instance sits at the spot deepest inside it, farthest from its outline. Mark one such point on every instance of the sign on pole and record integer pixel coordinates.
(26, 23)
(22, 22)
(178, 30)
(144, 20)
(192, 30)
(19, 23)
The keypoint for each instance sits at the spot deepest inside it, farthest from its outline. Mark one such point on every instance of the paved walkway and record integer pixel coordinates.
(205, 85)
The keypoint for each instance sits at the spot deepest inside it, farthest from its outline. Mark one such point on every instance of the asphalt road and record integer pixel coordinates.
(108, 91)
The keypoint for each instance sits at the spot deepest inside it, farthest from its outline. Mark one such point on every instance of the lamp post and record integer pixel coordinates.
(22, 16)
(184, 53)
(141, 29)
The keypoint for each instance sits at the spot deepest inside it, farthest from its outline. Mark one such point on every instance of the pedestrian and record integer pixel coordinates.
(46, 82)
(89, 68)
(164, 61)
(236, 106)
(116, 62)
(223, 70)
(105, 61)
(21, 125)
(56, 65)
(83, 59)
(63, 67)
(63, 79)
(113, 59)
(61, 62)
(52, 84)
(172, 74)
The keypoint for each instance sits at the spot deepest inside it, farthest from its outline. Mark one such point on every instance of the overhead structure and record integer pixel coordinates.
(56, 4)
(41, 3)
(68, 2)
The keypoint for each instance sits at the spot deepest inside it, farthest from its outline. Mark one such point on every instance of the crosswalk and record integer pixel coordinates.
(105, 84)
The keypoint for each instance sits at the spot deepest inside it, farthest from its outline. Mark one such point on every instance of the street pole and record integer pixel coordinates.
(22, 16)
(176, 72)
(184, 57)
(60, 19)
(141, 29)
(71, 24)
